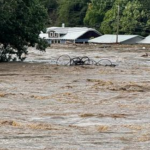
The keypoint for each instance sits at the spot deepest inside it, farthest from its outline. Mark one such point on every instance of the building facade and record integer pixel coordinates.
(64, 35)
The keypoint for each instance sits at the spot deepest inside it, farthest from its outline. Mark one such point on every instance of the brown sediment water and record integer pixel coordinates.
(48, 107)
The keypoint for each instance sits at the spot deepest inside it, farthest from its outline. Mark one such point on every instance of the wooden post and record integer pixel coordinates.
(118, 23)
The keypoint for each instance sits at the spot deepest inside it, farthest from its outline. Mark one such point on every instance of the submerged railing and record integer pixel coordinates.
(66, 60)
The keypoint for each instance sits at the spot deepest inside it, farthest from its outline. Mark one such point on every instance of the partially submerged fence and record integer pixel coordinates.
(85, 60)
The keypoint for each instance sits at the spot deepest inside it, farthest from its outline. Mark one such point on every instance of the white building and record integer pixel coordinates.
(69, 34)
(122, 39)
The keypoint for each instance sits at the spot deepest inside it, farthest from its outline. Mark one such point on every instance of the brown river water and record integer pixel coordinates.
(48, 107)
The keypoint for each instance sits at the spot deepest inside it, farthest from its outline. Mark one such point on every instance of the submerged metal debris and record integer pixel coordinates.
(85, 60)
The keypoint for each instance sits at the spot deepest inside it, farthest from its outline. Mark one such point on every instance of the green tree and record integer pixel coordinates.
(134, 18)
(146, 4)
(20, 24)
(96, 12)
(109, 23)
(72, 12)
(52, 8)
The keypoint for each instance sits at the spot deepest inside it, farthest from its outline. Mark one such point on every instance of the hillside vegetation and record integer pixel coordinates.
(22, 20)
(102, 14)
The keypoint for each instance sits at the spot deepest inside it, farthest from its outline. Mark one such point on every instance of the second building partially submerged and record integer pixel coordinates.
(112, 39)
(145, 41)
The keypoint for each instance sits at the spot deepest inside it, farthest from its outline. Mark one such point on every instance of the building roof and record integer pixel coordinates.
(145, 41)
(109, 38)
(43, 35)
(71, 33)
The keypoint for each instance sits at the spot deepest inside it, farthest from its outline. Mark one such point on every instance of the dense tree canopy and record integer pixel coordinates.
(134, 18)
(20, 24)
(96, 12)
(72, 13)
(134, 15)
(52, 6)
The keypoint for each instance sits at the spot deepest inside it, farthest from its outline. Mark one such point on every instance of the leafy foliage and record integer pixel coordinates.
(72, 13)
(20, 25)
(22, 20)
(134, 19)
(96, 12)
(52, 8)
(134, 16)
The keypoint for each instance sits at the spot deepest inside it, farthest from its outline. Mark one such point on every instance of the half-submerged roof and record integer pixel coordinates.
(71, 33)
(145, 41)
(109, 38)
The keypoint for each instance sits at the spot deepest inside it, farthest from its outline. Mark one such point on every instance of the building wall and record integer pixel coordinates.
(53, 41)
(81, 41)
(89, 35)
(52, 34)
(50, 41)
(62, 41)
(133, 40)
(54, 38)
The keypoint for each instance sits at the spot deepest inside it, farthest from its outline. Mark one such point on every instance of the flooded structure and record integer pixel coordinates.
(145, 41)
(122, 39)
(65, 35)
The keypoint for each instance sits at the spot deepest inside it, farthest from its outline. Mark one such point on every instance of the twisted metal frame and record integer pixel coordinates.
(66, 60)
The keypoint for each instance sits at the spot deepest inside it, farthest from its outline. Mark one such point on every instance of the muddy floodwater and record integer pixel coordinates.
(48, 107)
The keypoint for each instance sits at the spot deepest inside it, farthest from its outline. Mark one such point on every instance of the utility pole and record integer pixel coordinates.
(118, 23)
